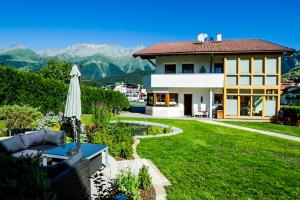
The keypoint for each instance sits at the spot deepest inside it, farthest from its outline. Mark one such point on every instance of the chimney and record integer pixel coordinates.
(219, 37)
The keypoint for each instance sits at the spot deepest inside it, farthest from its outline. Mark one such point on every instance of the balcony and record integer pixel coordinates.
(184, 81)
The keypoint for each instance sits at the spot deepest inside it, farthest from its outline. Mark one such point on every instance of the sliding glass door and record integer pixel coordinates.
(245, 103)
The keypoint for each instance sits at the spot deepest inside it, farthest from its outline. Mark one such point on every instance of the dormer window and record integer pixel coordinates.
(187, 68)
(170, 69)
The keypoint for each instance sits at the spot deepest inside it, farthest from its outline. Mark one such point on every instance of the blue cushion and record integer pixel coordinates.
(12, 144)
(33, 139)
(56, 138)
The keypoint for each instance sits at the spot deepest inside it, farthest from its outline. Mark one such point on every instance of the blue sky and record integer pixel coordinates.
(55, 24)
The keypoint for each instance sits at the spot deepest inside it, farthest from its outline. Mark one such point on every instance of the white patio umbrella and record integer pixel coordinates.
(73, 104)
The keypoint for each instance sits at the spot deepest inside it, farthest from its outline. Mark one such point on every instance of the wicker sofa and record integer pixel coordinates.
(69, 178)
(32, 143)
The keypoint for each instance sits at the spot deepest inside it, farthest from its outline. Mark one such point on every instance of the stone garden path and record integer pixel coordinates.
(269, 133)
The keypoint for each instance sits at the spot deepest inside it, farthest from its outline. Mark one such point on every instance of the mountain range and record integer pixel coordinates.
(97, 60)
(101, 62)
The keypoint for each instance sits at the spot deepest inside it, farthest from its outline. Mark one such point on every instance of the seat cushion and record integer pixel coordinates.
(55, 138)
(25, 153)
(33, 138)
(42, 147)
(12, 145)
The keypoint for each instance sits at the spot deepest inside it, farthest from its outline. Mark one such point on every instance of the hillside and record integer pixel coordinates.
(96, 61)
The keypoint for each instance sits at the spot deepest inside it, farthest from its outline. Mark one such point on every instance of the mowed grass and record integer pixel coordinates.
(215, 162)
(267, 126)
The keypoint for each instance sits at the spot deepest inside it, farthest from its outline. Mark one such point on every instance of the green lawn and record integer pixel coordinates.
(215, 162)
(267, 126)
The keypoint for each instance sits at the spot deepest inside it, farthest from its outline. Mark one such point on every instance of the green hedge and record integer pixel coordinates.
(19, 87)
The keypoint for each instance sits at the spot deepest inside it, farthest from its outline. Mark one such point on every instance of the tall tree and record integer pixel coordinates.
(57, 69)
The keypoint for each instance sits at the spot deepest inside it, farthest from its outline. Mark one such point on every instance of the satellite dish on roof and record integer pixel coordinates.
(202, 37)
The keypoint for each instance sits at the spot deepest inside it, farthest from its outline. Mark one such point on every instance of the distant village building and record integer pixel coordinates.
(291, 95)
(224, 78)
(133, 92)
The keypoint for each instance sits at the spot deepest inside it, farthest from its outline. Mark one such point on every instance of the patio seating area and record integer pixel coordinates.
(68, 166)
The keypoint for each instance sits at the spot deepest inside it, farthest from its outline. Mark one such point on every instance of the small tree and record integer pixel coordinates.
(57, 69)
(20, 117)
(102, 115)
(144, 178)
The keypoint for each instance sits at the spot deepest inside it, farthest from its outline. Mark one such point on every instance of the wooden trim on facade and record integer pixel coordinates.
(167, 99)
(251, 87)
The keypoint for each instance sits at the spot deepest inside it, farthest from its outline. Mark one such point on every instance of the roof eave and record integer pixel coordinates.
(153, 55)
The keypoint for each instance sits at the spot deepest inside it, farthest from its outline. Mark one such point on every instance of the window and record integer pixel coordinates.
(258, 91)
(231, 104)
(218, 99)
(272, 91)
(232, 91)
(271, 66)
(170, 69)
(173, 99)
(201, 99)
(231, 80)
(257, 80)
(270, 106)
(245, 105)
(257, 106)
(187, 68)
(232, 66)
(150, 99)
(160, 99)
(258, 66)
(245, 91)
(219, 68)
(245, 66)
(245, 80)
(271, 80)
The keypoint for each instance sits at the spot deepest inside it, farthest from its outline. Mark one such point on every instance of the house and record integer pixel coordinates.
(133, 92)
(241, 78)
(291, 95)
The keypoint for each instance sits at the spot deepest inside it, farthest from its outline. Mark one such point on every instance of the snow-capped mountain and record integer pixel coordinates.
(83, 50)
(12, 47)
(97, 60)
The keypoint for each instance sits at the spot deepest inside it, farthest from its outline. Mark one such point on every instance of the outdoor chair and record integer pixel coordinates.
(202, 112)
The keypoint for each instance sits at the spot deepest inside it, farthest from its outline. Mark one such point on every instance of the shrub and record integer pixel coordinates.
(144, 178)
(51, 120)
(168, 130)
(154, 130)
(20, 118)
(102, 115)
(57, 69)
(127, 183)
(49, 94)
(22, 178)
(288, 115)
(118, 139)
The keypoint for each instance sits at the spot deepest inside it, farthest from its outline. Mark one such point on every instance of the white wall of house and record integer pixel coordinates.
(198, 61)
(178, 110)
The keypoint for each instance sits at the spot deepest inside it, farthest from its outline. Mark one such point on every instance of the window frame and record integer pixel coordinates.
(167, 71)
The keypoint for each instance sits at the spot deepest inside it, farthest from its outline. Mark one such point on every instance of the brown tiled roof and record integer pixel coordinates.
(225, 46)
